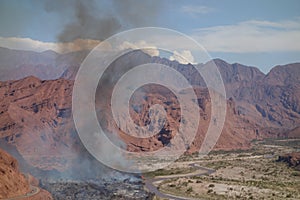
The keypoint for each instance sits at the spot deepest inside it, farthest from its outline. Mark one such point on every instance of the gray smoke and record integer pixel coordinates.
(100, 19)
(136, 13)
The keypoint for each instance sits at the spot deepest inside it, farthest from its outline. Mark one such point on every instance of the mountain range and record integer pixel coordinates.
(36, 105)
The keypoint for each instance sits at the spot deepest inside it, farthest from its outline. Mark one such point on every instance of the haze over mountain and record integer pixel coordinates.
(47, 65)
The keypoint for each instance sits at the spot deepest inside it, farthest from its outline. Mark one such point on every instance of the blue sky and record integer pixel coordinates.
(260, 33)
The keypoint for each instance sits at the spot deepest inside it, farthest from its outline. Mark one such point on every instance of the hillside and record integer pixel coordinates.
(14, 184)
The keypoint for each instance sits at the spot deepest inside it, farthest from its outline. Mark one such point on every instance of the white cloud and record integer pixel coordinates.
(251, 36)
(183, 57)
(25, 44)
(39, 46)
(147, 48)
(194, 10)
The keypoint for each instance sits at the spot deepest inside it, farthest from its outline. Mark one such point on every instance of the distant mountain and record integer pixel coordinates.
(274, 99)
(47, 65)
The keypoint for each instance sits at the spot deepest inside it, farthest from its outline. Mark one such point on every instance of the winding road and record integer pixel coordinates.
(149, 183)
(33, 191)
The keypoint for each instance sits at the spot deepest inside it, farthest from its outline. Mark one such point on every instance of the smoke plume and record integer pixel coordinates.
(98, 20)
(90, 20)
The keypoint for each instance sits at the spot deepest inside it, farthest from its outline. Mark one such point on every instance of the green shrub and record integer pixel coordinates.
(288, 195)
(185, 183)
(190, 189)
(295, 174)
(209, 191)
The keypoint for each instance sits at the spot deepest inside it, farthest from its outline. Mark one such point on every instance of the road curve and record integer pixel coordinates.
(33, 191)
(149, 183)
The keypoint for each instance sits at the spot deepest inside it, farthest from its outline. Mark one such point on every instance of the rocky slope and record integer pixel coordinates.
(15, 184)
(36, 125)
(274, 99)
(36, 119)
(294, 133)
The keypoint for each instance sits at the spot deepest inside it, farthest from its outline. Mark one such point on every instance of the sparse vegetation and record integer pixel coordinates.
(295, 173)
(248, 174)
(190, 189)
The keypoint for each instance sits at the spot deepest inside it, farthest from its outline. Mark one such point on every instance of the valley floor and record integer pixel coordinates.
(250, 174)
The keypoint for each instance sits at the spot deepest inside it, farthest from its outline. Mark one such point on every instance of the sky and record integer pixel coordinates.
(261, 33)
